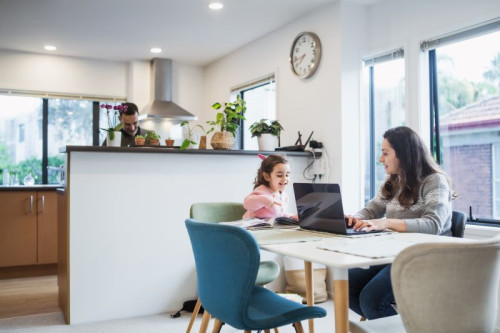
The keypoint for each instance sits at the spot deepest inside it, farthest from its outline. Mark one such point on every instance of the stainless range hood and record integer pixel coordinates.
(162, 106)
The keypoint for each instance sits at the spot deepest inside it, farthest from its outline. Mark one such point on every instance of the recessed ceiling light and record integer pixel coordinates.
(156, 50)
(50, 48)
(215, 5)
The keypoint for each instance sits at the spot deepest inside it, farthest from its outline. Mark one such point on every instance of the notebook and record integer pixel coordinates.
(319, 207)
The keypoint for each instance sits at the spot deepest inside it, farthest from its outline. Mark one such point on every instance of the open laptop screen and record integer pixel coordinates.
(319, 207)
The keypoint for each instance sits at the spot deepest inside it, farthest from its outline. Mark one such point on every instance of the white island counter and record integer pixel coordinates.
(124, 250)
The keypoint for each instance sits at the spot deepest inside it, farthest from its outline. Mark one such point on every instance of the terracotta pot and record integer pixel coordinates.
(222, 140)
(154, 142)
(139, 141)
(169, 143)
(203, 142)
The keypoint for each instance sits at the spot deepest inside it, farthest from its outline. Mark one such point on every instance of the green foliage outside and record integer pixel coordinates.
(32, 165)
(455, 93)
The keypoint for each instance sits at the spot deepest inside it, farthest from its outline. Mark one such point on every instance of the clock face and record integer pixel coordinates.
(305, 54)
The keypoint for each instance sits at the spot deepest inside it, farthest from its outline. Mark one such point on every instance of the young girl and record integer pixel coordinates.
(268, 198)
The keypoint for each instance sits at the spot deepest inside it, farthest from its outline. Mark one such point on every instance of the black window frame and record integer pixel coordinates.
(435, 142)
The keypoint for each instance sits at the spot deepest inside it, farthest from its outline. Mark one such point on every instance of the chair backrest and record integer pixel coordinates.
(217, 211)
(233, 272)
(448, 287)
(458, 221)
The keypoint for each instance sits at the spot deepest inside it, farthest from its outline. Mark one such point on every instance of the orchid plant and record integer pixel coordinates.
(112, 113)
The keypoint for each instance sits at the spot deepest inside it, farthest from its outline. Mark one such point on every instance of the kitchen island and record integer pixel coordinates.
(123, 247)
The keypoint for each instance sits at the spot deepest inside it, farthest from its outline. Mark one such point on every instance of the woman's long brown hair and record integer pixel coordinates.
(415, 163)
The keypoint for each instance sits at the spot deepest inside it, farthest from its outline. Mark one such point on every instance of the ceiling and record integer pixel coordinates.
(126, 30)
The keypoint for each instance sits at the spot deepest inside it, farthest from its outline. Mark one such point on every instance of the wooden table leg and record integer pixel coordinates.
(309, 290)
(341, 299)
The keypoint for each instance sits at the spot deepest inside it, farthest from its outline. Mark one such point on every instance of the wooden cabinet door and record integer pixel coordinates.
(18, 229)
(47, 227)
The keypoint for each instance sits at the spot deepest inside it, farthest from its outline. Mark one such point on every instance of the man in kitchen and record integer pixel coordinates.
(130, 121)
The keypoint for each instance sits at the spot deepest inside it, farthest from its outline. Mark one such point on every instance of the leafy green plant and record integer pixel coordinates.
(138, 136)
(229, 119)
(151, 136)
(190, 131)
(266, 126)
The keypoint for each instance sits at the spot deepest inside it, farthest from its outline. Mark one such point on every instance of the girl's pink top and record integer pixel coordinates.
(262, 203)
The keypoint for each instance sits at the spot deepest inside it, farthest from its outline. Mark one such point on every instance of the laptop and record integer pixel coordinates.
(319, 207)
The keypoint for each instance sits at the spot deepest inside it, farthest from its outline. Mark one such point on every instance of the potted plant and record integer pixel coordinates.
(139, 140)
(267, 133)
(114, 135)
(228, 120)
(152, 138)
(169, 142)
(192, 138)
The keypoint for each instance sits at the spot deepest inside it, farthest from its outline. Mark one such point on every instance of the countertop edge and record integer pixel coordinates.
(69, 149)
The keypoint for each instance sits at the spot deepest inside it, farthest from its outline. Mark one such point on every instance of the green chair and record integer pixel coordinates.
(225, 212)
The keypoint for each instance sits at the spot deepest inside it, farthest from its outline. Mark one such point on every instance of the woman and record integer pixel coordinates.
(415, 197)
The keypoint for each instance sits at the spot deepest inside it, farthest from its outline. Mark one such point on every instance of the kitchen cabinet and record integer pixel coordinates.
(28, 228)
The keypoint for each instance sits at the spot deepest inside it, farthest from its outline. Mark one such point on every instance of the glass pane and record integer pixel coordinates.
(21, 138)
(389, 111)
(469, 110)
(261, 104)
(69, 123)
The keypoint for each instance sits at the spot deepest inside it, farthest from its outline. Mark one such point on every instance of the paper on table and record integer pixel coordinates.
(249, 223)
(376, 247)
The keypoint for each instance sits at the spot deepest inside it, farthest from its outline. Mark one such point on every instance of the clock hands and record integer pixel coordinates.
(299, 59)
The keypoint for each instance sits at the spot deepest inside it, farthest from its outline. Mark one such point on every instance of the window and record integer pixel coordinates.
(260, 98)
(20, 140)
(465, 112)
(69, 123)
(33, 129)
(384, 77)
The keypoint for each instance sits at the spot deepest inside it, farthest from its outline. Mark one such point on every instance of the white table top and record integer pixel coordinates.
(309, 246)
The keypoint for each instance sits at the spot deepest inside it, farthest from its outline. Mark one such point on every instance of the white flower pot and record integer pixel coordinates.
(117, 140)
(267, 142)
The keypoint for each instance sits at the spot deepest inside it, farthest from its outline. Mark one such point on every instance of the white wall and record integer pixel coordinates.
(48, 73)
(311, 104)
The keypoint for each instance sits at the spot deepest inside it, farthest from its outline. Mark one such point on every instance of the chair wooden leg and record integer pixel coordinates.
(248, 331)
(298, 327)
(362, 318)
(217, 326)
(193, 316)
(204, 322)
(276, 330)
(267, 331)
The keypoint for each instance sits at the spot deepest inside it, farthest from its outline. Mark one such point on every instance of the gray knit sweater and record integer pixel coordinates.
(431, 214)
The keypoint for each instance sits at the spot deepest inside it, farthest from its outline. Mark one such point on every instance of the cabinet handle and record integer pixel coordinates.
(43, 203)
(31, 204)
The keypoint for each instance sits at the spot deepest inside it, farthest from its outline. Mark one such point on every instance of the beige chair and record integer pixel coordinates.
(442, 288)
(225, 212)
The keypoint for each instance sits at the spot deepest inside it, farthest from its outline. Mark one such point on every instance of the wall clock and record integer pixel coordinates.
(305, 54)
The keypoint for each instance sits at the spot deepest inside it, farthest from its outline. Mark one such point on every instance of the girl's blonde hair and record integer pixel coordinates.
(267, 166)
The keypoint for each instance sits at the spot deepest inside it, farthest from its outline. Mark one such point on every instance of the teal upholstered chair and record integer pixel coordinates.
(225, 212)
(441, 288)
(226, 281)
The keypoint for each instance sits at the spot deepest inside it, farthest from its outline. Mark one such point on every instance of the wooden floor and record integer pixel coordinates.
(28, 296)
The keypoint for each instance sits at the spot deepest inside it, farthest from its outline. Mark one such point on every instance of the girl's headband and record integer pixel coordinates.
(262, 157)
